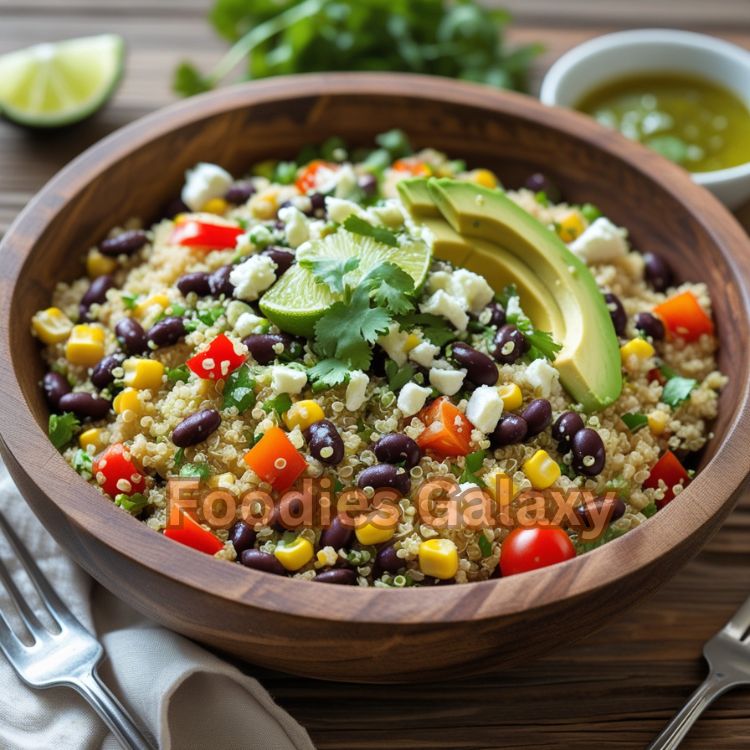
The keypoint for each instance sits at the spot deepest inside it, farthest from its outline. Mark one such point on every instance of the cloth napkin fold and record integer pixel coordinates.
(186, 696)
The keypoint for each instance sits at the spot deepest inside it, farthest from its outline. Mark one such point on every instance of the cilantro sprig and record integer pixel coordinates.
(541, 343)
(472, 464)
(61, 428)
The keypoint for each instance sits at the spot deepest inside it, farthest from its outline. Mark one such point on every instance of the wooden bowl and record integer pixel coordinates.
(344, 633)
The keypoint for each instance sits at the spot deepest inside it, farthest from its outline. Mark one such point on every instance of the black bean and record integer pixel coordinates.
(510, 344)
(125, 243)
(566, 425)
(387, 561)
(131, 335)
(538, 416)
(480, 369)
(167, 332)
(657, 272)
(261, 346)
(384, 475)
(219, 283)
(194, 282)
(102, 374)
(287, 514)
(497, 314)
(616, 312)
(510, 430)
(242, 536)
(282, 258)
(324, 442)
(257, 560)
(337, 535)
(317, 205)
(55, 386)
(341, 576)
(611, 508)
(368, 184)
(96, 294)
(240, 192)
(588, 452)
(84, 405)
(394, 448)
(196, 428)
(650, 325)
(540, 183)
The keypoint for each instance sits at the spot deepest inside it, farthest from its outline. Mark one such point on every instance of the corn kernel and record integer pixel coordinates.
(571, 227)
(181, 218)
(51, 325)
(541, 470)
(370, 533)
(483, 177)
(215, 206)
(411, 341)
(147, 305)
(91, 437)
(224, 481)
(303, 414)
(657, 422)
(142, 373)
(85, 345)
(501, 486)
(296, 554)
(127, 399)
(438, 558)
(99, 265)
(638, 349)
(511, 395)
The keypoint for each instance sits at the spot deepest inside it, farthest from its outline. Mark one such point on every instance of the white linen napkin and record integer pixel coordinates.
(186, 696)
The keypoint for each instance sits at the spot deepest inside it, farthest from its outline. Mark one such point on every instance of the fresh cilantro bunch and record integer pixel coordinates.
(458, 39)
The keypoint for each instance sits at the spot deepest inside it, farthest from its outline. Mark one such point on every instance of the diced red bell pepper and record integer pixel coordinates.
(275, 460)
(448, 432)
(308, 178)
(669, 469)
(684, 317)
(413, 167)
(655, 374)
(194, 233)
(192, 534)
(218, 360)
(116, 473)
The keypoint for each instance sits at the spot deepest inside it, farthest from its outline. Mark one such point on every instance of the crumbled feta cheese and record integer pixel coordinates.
(412, 398)
(394, 343)
(601, 242)
(485, 408)
(287, 379)
(447, 306)
(339, 210)
(448, 382)
(540, 376)
(249, 323)
(259, 235)
(472, 288)
(346, 181)
(252, 277)
(438, 280)
(424, 353)
(355, 391)
(295, 226)
(203, 183)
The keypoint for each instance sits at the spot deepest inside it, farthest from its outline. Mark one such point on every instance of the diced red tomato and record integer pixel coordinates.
(308, 178)
(448, 432)
(217, 361)
(684, 317)
(201, 234)
(669, 469)
(527, 549)
(275, 460)
(116, 472)
(190, 533)
(413, 167)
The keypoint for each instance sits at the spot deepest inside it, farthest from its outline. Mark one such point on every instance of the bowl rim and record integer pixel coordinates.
(584, 52)
(638, 549)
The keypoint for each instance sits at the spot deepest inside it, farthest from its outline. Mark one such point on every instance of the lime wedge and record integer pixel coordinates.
(298, 300)
(49, 85)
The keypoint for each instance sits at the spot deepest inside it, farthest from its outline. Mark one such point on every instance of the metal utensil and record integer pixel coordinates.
(728, 657)
(66, 657)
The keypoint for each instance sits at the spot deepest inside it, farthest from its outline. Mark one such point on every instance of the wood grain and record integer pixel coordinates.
(615, 689)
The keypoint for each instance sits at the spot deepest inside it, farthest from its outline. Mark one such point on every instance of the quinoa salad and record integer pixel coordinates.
(391, 326)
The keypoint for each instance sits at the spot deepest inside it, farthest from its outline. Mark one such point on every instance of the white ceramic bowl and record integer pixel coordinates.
(619, 55)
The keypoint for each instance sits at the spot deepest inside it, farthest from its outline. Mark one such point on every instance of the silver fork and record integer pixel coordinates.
(728, 657)
(66, 657)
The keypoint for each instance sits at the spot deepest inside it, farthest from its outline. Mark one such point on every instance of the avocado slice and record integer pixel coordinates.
(589, 362)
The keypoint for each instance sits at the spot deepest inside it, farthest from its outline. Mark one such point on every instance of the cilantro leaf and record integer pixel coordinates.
(634, 421)
(391, 287)
(395, 142)
(83, 464)
(280, 404)
(677, 389)
(178, 374)
(179, 457)
(541, 343)
(133, 504)
(357, 225)
(485, 545)
(330, 271)
(433, 327)
(397, 376)
(200, 470)
(239, 390)
(129, 300)
(61, 428)
(329, 372)
(188, 81)
(472, 464)
(649, 510)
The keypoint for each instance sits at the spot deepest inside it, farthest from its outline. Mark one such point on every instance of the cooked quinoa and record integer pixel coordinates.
(140, 280)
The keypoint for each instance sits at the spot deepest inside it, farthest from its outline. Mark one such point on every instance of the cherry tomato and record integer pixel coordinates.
(116, 473)
(527, 549)
(193, 233)
(217, 361)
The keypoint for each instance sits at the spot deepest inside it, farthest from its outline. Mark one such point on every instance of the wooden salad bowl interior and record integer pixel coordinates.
(347, 633)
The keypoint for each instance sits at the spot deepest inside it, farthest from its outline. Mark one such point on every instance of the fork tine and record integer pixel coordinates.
(740, 621)
(30, 620)
(10, 644)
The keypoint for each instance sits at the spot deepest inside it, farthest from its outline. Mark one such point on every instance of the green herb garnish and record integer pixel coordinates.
(201, 470)
(239, 390)
(357, 225)
(178, 374)
(485, 545)
(61, 428)
(327, 373)
(279, 404)
(434, 328)
(83, 463)
(133, 504)
(397, 376)
(472, 464)
(635, 421)
(677, 389)
(129, 300)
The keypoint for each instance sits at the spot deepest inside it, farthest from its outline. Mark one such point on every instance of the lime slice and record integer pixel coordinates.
(297, 300)
(49, 85)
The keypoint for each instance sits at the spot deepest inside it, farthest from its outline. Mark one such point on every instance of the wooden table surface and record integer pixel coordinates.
(615, 690)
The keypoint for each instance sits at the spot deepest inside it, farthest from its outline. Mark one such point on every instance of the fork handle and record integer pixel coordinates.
(91, 687)
(674, 733)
